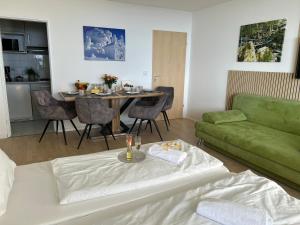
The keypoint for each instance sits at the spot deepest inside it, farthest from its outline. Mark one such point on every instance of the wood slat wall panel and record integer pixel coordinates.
(273, 84)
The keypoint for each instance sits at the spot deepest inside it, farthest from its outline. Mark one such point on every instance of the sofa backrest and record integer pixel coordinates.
(279, 114)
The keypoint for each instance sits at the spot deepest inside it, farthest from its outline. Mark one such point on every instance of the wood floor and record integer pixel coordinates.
(26, 149)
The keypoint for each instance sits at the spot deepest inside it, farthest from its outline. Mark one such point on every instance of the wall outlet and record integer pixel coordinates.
(145, 73)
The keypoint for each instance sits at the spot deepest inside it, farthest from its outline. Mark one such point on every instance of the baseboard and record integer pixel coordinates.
(190, 118)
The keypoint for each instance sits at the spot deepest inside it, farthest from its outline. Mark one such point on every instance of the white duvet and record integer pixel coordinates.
(245, 188)
(95, 175)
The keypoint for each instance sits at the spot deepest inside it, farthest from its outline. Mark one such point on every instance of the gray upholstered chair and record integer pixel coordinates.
(53, 110)
(169, 91)
(94, 111)
(147, 112)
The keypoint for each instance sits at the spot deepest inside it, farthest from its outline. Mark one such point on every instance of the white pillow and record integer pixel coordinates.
(7, 168)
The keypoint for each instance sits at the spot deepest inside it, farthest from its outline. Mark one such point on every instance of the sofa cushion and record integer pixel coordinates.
(224, 117)
(271, 144)
(276, 113)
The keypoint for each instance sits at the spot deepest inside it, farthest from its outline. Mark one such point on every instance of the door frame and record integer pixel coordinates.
(5, 129)
(4, 110)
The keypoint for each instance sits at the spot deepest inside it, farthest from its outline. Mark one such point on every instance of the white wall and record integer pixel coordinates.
(215, 44)
(4, 123)
(65, 21)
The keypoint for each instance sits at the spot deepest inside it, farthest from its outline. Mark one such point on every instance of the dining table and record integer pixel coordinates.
(115, 101)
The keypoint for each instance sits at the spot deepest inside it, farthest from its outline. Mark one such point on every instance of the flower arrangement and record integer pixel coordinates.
(81, 85)
(109, 80)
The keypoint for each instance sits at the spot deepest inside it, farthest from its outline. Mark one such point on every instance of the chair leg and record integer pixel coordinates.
(166, 120)
(82, 136)
(146, 124)
(45, 129)
(133, 125)
(64, 131)
(56, 127)
(110, 130)
(150, 125)
(138, 131)
(75, 128)
(157, 129)
(102, 132)
(89, 131)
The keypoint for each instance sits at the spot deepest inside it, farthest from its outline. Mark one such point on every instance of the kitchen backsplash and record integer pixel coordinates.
(18, 63)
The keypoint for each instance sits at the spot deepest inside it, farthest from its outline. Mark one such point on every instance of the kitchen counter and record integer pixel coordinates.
(28, 82)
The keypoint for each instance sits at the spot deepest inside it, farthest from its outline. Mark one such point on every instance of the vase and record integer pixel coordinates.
(109, 85)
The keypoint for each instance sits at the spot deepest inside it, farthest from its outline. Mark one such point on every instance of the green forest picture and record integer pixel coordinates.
(262, 42)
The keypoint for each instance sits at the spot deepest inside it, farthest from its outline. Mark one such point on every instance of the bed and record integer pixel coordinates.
(34, 198)
(244, 188)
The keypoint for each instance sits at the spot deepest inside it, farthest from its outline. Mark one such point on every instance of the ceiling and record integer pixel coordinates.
(186, 5)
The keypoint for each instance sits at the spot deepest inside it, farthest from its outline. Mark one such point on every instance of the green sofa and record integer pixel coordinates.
(262, 132)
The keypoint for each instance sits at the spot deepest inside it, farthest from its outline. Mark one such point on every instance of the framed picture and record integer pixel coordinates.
(105, 44)
(262, 42)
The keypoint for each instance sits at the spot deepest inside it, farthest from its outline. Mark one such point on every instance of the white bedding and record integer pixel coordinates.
(34, 198)
(102, 174)
(245, 188)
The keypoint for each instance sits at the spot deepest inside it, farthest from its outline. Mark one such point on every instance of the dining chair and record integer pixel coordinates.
(94, 111)
(169, 91)
(147, 112)
(54, 111)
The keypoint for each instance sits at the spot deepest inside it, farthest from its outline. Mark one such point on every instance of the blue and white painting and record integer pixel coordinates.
(105, 44)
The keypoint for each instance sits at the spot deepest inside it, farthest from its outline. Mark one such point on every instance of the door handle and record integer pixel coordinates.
(155, 77)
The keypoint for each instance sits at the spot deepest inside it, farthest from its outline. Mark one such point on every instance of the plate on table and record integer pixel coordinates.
(72, 92)
(103, 94)
(132, 92)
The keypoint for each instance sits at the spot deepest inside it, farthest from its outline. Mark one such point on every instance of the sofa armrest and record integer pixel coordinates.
(224, 117)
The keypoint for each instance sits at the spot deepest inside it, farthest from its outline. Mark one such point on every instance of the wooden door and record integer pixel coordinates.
(168, 65)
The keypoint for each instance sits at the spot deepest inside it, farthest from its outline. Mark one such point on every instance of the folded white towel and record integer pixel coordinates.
(231, 213)
(171, 155)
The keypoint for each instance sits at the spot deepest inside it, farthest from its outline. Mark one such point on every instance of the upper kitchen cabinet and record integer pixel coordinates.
(12, 26)
(36, 34)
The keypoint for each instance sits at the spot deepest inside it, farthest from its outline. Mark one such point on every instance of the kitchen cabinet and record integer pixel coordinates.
(19, 102)
(12, 26)
(36, 34)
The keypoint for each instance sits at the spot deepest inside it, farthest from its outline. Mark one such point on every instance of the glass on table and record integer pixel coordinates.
(139, 88)
(129, 140)
(81, 92)
(138, 142)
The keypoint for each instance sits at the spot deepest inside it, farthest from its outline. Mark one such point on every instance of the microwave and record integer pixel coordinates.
(13, 42)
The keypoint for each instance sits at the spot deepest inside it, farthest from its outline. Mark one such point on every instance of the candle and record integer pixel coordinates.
(129, 150)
